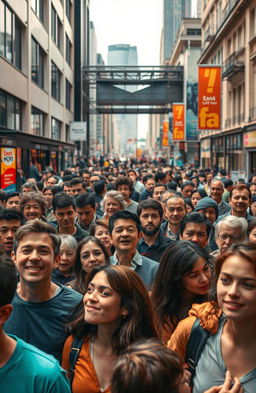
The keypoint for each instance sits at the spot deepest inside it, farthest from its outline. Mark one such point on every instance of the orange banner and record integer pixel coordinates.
(209, 95)
(165, 140)
(178, 133)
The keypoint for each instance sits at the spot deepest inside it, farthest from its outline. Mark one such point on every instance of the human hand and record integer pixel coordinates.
(227, 386)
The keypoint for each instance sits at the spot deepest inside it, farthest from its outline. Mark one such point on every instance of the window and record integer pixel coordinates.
(37, 63)
(68, 95)
(10, 111)
(56, 126)
(38, 7)
(37, 121)
(56, 75)
(68, 50)
(10, 35)
(68, 9)
(56, 28)
(193, 31)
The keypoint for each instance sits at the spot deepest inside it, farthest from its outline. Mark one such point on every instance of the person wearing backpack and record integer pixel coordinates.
(230, 320)
(116, 312)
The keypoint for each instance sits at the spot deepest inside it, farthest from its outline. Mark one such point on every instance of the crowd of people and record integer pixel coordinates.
(128, 278)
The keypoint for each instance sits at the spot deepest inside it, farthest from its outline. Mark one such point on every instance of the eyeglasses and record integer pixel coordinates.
(225, 236)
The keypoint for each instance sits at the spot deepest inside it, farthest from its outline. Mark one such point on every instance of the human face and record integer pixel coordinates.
(236, 288)
(103, 235)
(51, 181)
(125, 235)
(239, 202)
(111, 206)
(67, 259)
(48, 196)
(91, 256)
(67, 189)
(227, 236)
(93, 179)
(187, 191)
(209, 178)
(175, 210)
(13, 203)
(86, 178)
(7, 232)
(209, 213)
(150, 221)
(77, 189)
(216, 191)
(35, 258)
(158, 193)
(252, 235)
(125, 191)
(85, 215)
(102, 305)
(32, 210)
(132, 176)
(26, 190)
(253, 208)
(65, 217)
(150, 184)
(195, 198)
(197, 281)
(196, 232)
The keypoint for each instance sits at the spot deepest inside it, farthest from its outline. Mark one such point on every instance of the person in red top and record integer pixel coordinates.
(116, 312)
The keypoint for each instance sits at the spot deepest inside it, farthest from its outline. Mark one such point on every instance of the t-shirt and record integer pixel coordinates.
(43, 324)
(30, 370)
(85, 377)
(211, 368)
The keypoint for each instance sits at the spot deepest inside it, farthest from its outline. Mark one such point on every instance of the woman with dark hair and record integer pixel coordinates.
(189, 206)
(230, 318)
(48, 196)
(183, 278)
(90, 253)
(116, 312)
(196, 195)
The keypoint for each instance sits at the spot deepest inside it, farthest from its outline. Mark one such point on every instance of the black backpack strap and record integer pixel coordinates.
(196, 343)
(73, 356)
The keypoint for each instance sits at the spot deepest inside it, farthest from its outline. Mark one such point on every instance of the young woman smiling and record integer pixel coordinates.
(183, 278)
(117, 312)
(231, 318)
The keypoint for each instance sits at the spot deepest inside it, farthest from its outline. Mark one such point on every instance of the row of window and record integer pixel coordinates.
(11, 38)
(38, 7)
(11, 117)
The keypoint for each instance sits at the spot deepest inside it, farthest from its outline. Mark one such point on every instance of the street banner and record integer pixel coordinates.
(178, 127)
(209, 97)
(8, 169)
(165, 136)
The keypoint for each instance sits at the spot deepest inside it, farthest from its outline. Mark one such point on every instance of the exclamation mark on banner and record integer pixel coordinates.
(211, 74)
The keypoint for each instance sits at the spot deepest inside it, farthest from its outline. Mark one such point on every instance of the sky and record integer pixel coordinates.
(134, 22)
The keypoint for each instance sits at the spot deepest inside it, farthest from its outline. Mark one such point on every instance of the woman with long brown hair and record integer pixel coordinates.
(116, 312)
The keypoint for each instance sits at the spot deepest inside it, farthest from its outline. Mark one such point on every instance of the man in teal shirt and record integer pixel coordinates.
(23, 367)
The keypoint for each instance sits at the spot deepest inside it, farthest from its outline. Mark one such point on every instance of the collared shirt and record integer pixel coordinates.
(156, 250)
(136, 260)
(88, 227)
(248, 217)
(224, 208)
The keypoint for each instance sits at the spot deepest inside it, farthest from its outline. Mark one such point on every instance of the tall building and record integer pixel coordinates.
(127, 125)
(174, 12)
(37, 46)
(229, 40)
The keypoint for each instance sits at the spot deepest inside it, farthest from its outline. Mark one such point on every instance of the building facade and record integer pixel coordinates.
(229, 39)
(37, 41)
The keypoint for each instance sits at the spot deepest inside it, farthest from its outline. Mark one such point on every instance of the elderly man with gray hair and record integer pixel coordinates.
(230, 230)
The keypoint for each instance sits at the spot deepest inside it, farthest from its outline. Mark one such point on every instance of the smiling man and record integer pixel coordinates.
(125, 230)
(41, 307)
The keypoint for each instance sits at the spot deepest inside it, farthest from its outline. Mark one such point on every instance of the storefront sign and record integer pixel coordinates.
(165, 140)
(178, 122)
(209, 97)
(206, 148)
(250, 139)
(78, 131)
(8, 169)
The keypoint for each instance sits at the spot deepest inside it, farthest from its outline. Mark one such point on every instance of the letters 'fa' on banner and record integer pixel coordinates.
(209, 92)
(165, 140)
(178, 123)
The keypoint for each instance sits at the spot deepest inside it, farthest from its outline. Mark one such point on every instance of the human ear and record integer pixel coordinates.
(5, 312)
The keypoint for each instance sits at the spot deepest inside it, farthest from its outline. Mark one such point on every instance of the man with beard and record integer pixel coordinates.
(152, 243)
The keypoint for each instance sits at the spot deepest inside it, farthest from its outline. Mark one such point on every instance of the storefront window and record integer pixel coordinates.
(37, 121)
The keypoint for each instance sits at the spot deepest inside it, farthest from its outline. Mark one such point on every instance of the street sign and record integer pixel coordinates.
(78, 131)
